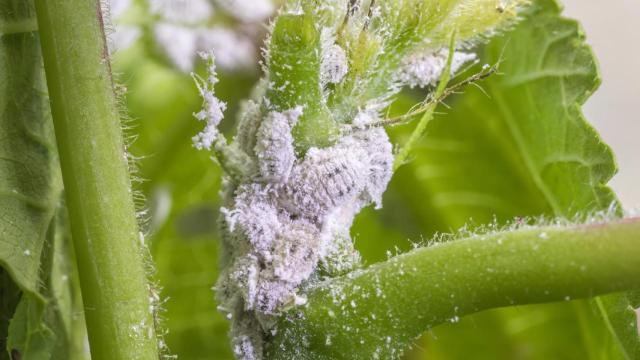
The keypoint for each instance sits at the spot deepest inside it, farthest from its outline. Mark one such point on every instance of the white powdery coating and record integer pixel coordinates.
(182, 11)
(380, 155)
(248, 10)
(425, 68)
(340, 255)
(256, 224)
(297, 251)
(334, 65)
(325, 179)
(273, 252)
(247, 337)
(248, 124)
(292, 221)
(213, 109)
(274, 145)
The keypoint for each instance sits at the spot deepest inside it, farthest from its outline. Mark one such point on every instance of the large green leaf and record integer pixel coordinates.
(51, 329)
(9, 298)
(523, 149)
(30, 182)
(38, 287)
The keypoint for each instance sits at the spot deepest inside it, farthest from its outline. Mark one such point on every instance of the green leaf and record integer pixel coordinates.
(523, 149)
(547, 331)
(9, 298)
(38, 286)
(54, 328)
(376, 44)
(30, 183)
(619, 317)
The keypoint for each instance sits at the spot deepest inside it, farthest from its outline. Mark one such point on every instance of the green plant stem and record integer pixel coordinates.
(425, 119)
(396, 301)
(97, 184)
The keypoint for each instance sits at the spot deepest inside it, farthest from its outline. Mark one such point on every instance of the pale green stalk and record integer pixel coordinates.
(379, 311)
(96, 179)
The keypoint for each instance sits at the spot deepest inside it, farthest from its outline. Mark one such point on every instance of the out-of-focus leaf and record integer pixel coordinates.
(29, 179)
(38, 286)
(548, 331)
(523, 149)
(9, 298)
(618, 315)
(54, 328)
(30, 182)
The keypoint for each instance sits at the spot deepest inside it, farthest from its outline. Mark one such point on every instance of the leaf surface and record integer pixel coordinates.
(30, 182)
(522, 150)
(38, 290)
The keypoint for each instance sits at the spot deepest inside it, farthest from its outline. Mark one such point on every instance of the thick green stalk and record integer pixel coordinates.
(378, 312)
(294, 71)
(96, 179)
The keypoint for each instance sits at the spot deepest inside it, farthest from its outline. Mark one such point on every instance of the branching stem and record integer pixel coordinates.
(461, 277)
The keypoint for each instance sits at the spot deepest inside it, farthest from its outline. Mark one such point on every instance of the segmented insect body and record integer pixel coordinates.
(338, 252)
(379, 150)
(274, 253)
(334, 65)
(325, 178)
(286, 218)
(274, 145)
(248, 123)
(296, 252)
(254, 224)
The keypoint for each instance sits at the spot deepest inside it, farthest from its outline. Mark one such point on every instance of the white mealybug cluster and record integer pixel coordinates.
(286, 217)
(334, 65)
(424, 69)
(289, 222)
(274, 145)
(213, 110)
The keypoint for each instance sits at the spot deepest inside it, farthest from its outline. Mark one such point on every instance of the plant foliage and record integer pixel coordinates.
(515, 147)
